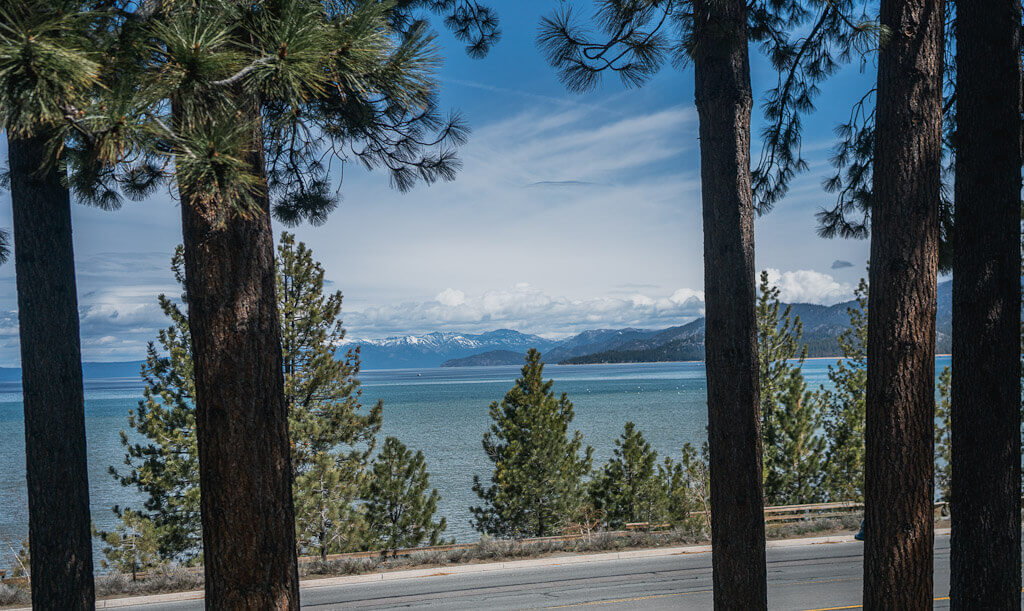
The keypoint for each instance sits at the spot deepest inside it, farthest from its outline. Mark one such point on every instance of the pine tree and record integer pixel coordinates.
(844, 408)
(900, 399)
(247, 100)
(943, 437)
(537, 482)
(778, 343)
(689, 486)
(48, 63)
(399, 509)
(796, 473)
(5, 246)
(326, 519)
(680, 503)
(331, 439)
(331, 436)
(133, 547)
(628, 488)
(985, 542)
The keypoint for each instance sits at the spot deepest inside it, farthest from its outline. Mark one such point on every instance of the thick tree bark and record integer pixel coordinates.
(901, 320)
(985, 503)
(724, 100)
(245, 470)
(51, 365)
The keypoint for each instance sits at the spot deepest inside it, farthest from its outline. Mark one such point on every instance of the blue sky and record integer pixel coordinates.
(571, 212)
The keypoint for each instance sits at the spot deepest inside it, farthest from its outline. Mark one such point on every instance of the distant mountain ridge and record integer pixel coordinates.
(487, 359)
(822, 326)
(433, 349)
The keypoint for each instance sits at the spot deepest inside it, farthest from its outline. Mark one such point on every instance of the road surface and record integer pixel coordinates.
(807, 577)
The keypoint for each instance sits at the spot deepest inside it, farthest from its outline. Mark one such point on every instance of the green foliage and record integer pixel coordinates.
(845, 409)
(47, 63)
(399, 509)
(778, 342)
(332, 437)
(790, 415)
(326, 520)
(537, 482)
(305, 81)
(944, 437)
(67, 75)
(689, 487)
(797, 455)
(470, 22)
(629, 488)
(133, 547)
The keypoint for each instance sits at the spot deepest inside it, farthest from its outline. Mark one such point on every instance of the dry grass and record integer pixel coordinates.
(171, 578)
(13, 595)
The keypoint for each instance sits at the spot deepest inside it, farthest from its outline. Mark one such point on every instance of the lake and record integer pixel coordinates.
(440, 411)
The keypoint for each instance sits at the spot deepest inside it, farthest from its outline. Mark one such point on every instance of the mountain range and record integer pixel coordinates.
(822, 325)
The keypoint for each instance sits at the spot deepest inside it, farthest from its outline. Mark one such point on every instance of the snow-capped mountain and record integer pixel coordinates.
(432, 349)
(821, 327)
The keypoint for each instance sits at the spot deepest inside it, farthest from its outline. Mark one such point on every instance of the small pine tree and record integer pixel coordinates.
(537, 482)
(689, 488)
(943, 437)
(844, 405)
(778, 343)
(325, 518)
(133, 547)
(796, 471)
(332, 439)
(399, 509)
(628, 488)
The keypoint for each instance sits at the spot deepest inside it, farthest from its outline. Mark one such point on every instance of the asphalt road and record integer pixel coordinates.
(809, 577)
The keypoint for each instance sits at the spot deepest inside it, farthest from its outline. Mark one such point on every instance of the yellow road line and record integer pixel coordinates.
(859, 606)
(615, 601)
(628, 600)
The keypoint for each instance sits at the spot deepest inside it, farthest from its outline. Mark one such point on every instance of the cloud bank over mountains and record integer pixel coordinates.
(533, 310)
(118, 321)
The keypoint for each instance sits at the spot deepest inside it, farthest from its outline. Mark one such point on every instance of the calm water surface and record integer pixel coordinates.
(441, 411)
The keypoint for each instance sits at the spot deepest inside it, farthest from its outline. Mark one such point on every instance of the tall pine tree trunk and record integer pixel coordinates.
(241, 416)
(901, 320)
(724, 100)
(51, 374)
(985, 503)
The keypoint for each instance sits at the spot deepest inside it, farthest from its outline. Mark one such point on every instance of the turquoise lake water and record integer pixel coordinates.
(441, 411)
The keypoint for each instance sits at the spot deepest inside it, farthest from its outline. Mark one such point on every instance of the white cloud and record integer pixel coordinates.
(808, 286)
(533, 310)
(451, 297)
(117, 306)
(526, 308)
